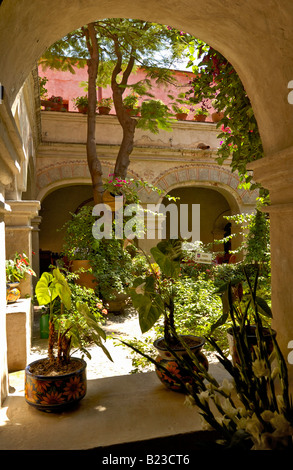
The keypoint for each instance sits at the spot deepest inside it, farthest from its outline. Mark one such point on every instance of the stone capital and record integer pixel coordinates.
(275, 173)
(21, 213)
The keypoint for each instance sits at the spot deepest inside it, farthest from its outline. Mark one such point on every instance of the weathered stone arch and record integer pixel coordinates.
(213, 176)
(66, 173)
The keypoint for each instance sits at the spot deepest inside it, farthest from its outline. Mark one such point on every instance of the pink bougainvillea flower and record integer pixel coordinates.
(225, 129)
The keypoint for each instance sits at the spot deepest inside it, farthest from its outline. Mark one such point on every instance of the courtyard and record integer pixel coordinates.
(57, 164)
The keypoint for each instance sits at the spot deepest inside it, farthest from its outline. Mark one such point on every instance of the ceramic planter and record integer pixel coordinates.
(86, 279)
(217, 116)
(169, 361)
(82, 109)
(200, 117)
(109, 199)
(251, 339)
(181, 116)
(55, 393)
(12, 292)
(104, 110)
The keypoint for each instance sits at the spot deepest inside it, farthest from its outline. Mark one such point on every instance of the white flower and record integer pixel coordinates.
(275, 372)
(281, 425)
(280, 401)
(223, 421)
(226, 387)
(267, 415)
(228, 408)
(140, 289)
(189, 401)
(203, 396)
(254, 427)
(260, 368)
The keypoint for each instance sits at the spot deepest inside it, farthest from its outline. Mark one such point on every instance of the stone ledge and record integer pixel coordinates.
(116, 410)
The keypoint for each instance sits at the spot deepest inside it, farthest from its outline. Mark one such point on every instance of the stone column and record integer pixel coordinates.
(18, 230)
(3, 342)
(36, 248)
(275, 172)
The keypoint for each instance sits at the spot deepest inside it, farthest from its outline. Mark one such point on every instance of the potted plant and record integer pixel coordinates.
(77, 245)
(201, 114)
(115, 186)
(81, 103)
(243, 311)
(153, 296)
(54, 103)
(216, 115)
(16, 270)
(101, 264)
(105, 105)
(58, 382)
(181, 112)
(252, 408)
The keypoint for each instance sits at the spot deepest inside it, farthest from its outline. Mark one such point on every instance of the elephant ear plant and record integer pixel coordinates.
(153, 296)
(53, 290)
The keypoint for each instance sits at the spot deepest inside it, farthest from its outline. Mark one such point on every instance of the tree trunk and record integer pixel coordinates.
(126, 147)
(94, 163)
(127, 123)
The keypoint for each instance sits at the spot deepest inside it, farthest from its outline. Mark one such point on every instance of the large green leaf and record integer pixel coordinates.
(150, 313)
(44, 292)
(147, 301)
(51, 286)
(168, 266)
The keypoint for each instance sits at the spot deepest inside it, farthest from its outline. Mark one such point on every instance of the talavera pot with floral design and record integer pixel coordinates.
(55, 393)
(169, 361)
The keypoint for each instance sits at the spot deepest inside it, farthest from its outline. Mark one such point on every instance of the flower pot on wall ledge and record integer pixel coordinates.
(217, 116)
(82, 109)
(12, 292)
(52, 106)
(55, 393)
(181, 116)
(200, 117)
(86, 279)
(104, 110)
(166, 359)
(251, 339)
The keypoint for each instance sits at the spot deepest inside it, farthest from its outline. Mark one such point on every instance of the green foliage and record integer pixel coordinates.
(112, 267)
(110, 263)
(217, 81)
(78, 237)
(71, 323)
(42, 87)
(51, 286)
(154, 115)
(80, 101)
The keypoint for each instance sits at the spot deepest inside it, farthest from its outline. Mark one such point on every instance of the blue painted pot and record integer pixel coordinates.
(166, 359)
(55, 393)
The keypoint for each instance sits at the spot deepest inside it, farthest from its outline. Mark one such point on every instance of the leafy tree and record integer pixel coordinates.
(123, 44)
(217, 80)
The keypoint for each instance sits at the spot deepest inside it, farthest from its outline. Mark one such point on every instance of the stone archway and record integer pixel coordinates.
(67, 173)
(256, 37)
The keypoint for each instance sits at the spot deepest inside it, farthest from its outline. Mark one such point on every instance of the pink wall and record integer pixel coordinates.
(67, 85)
